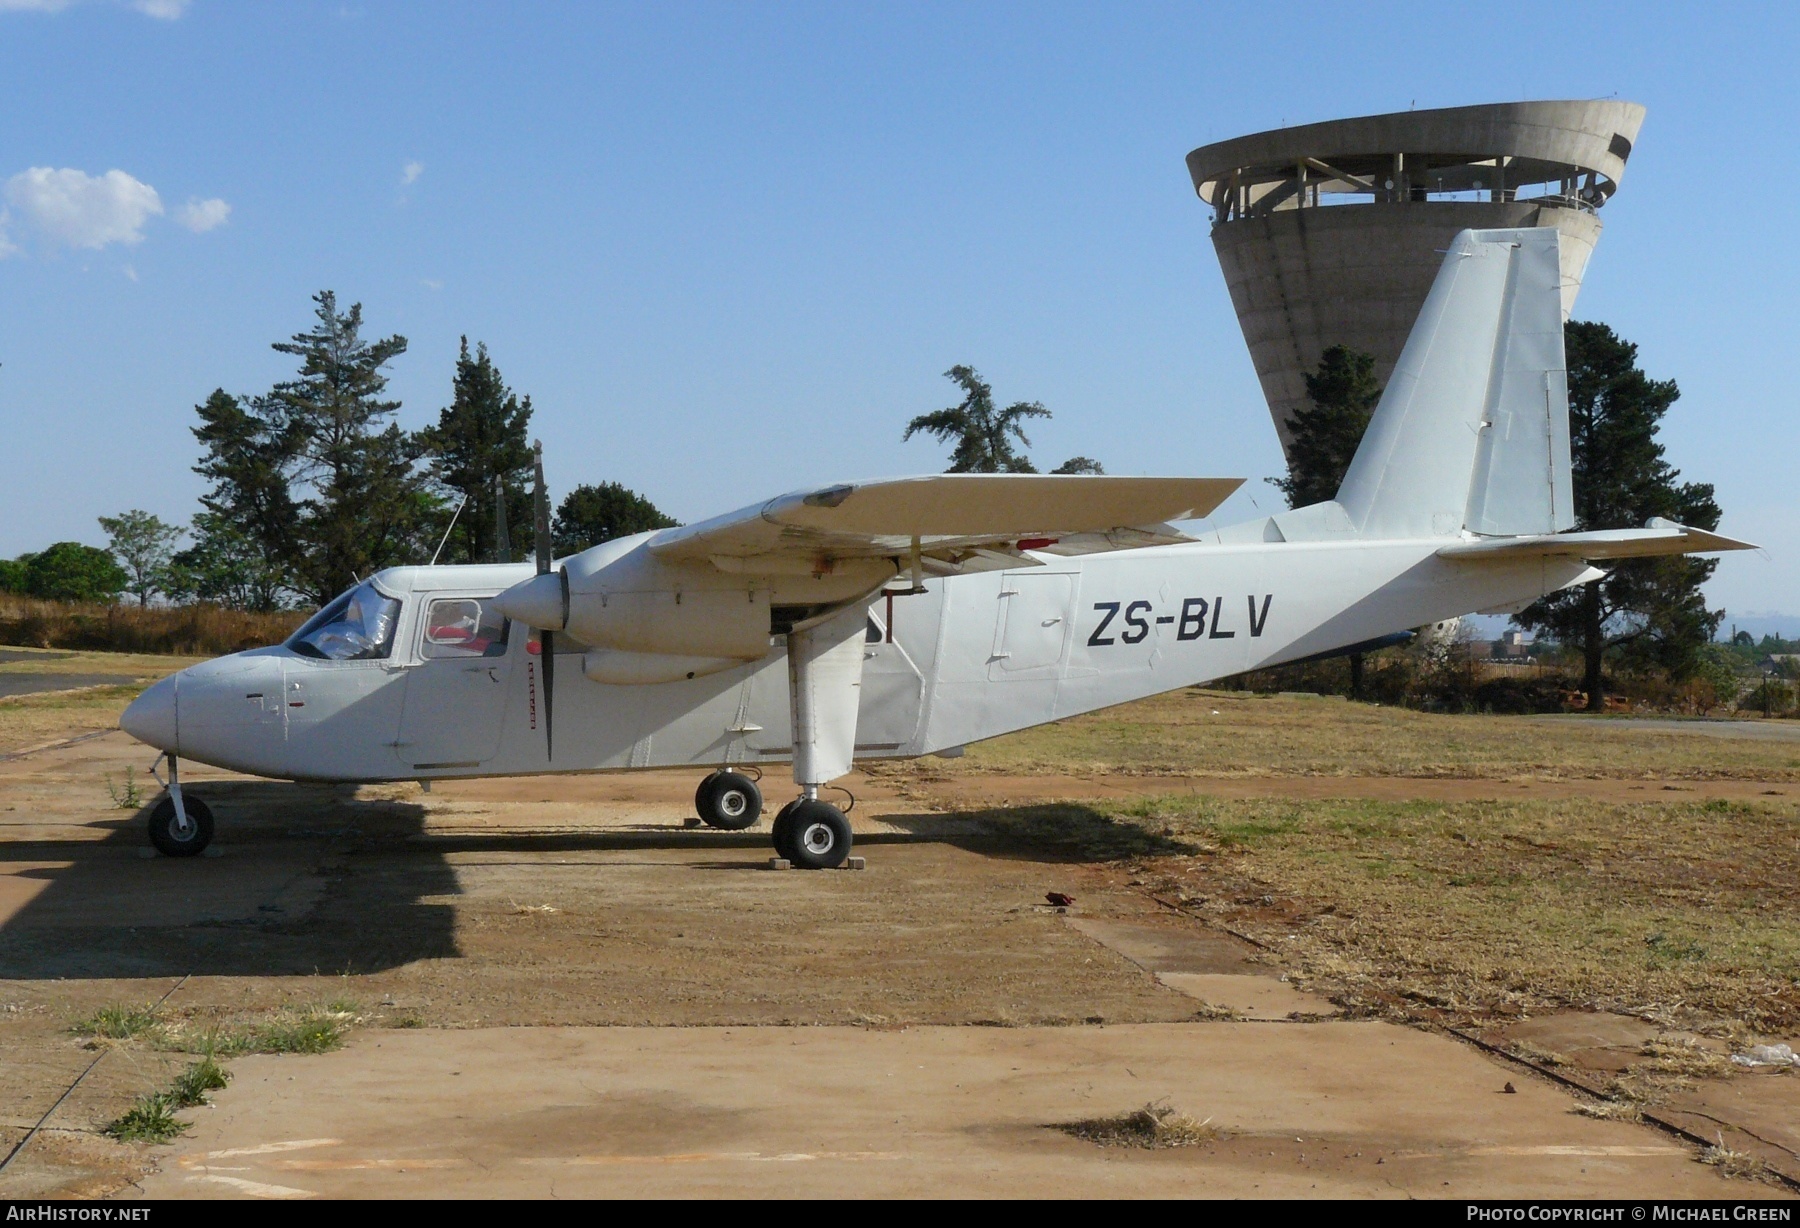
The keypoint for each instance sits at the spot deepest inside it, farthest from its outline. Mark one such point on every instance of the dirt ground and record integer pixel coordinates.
(559, 987)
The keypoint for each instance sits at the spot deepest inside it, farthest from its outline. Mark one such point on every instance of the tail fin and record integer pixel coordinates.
(1472, 431)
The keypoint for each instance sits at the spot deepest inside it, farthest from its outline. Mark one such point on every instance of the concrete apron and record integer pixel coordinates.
(1333, 1109)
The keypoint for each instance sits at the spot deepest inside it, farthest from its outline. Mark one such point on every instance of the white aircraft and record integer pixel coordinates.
(912, 616)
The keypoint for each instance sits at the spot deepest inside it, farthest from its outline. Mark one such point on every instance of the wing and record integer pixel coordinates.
(1658, 537)
(956, 522)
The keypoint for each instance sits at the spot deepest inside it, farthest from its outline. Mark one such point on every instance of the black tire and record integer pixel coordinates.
(817, 836)
(728, 801)
(779, 829)
(172, 843)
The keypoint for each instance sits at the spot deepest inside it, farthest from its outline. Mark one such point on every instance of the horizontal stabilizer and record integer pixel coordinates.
(1660, 537)
(950, 515)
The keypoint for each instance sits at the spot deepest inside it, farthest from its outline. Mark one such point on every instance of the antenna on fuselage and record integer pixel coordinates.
(462, 503)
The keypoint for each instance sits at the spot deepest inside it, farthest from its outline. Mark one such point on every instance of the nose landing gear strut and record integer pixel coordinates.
(179, 826)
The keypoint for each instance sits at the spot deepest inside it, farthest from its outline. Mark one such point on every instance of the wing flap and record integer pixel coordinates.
(949, 515)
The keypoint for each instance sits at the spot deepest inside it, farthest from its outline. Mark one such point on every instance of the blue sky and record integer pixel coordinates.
(729, 249)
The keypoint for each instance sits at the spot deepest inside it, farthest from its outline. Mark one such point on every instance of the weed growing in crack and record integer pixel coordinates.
(191, 1086)
(1731, 1163)
(152, 1118)
(130, 797)
(1155, 1126)
(119, 1022)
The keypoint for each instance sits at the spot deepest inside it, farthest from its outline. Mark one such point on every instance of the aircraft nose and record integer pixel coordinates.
(151, 718)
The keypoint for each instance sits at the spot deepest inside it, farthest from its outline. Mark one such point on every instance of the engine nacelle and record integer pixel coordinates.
(616, 668)
(682, 622)
(620, 596)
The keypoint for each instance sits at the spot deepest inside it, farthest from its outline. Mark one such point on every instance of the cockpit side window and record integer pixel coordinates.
(359, 626)
(463, 627)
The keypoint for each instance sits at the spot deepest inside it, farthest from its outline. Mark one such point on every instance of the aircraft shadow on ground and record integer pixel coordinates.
(310, 879)
(313, 880)
(1054, 831)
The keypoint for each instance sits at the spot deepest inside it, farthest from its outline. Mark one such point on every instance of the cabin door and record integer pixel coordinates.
(456, 692)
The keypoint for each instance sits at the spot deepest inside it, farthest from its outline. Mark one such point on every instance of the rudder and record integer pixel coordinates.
(1472, 431)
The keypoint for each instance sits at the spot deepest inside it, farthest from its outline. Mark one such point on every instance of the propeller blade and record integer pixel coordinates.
(541, 511)
(540, 507)
(547, 654)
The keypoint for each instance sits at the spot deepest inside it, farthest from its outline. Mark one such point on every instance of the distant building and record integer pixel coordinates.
(1331, 233)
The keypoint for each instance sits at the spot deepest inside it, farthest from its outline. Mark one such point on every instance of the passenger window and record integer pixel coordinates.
(463, 627)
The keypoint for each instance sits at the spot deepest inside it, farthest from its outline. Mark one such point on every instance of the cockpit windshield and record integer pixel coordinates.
(358, 626)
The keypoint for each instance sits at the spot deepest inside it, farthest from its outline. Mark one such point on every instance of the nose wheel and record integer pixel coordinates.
(179, 834)
(180, 826)
(812, 834)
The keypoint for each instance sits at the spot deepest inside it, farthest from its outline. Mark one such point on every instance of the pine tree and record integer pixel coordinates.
(984, 435)
(244, 543)
(1323, 436)
(366, 506)
(480, 441)
(1646, 611)
(314, 486)
(1323, 439)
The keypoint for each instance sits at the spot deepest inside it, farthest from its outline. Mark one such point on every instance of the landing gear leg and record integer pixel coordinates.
(825, 683)
(180, 826)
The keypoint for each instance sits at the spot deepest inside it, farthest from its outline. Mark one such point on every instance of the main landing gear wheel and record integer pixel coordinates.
(729, 801)
(173, 838)
(813, 835)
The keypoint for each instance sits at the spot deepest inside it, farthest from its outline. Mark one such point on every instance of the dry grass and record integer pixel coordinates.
(192, 630)
(119, 1022)
(1672, 1065)
(1154, 1126)
(37, 719)
(1254, 735)
(1609, 1110)
(1732, 1163)
(1681, 910)
(1537, 1055)
(34, 720)
(307, 1029)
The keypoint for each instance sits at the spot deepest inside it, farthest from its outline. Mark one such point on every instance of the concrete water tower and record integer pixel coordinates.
(1330, 234)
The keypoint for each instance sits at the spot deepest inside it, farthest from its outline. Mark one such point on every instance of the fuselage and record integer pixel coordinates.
(444, 688)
